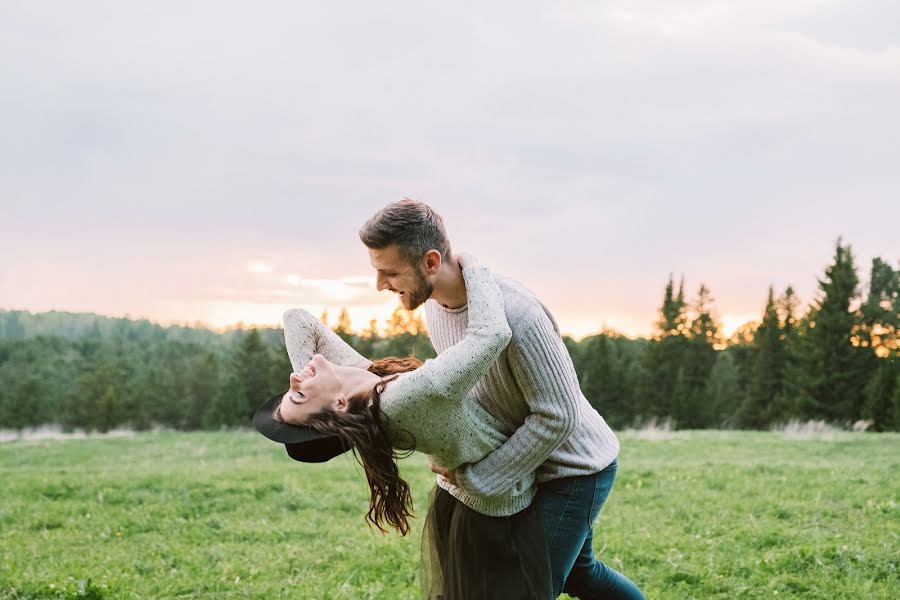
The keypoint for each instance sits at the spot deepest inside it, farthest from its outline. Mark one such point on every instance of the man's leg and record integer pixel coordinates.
(567, 511)
(591, 579)
(571, 505)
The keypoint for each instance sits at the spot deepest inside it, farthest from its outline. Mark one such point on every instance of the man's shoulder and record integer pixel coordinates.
(524, 309)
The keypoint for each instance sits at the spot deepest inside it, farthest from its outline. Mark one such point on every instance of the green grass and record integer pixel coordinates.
(229, 515)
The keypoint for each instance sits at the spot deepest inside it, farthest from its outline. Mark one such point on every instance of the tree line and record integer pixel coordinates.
(837, 361)
(85, 371)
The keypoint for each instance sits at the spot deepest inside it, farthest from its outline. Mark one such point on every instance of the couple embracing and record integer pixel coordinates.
(523, 462)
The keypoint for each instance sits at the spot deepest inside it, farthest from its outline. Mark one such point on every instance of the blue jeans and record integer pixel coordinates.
(571, 506)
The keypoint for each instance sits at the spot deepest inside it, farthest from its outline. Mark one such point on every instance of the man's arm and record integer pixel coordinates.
(544, 372)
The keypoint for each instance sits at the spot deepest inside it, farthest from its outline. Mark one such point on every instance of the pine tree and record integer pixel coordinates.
(664, 356)
(723, 391)
(343, 327)
(681, 307)
(783, 407)
(880, 313)
(703, 325)
(692, 411)
(827, 375)
(767, 375)
(401, 322)
(204, 385)
(18, 397)
(671, 313)
(173, 385)
(880, 394)
(406, 336)
(740, 347)
(95, 399)
(878, 333)
(681, 395)
(367, 340)
(894, 413)
(35, 374)
(372, 330)
(595, 373)
(788, 305)
(574, 350)
(610, 373)
(140, 404)
(247, 385)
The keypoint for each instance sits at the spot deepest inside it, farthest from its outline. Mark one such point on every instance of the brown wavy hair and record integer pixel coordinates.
(363, 428)
(412, 225)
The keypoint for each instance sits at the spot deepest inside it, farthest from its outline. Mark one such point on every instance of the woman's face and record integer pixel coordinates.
(314, 388)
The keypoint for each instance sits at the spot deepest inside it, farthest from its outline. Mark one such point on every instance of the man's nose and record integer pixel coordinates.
(381, 282)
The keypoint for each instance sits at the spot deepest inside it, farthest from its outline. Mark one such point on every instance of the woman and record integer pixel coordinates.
(473, 546)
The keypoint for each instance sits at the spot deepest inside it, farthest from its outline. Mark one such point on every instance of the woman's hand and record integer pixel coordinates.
(465, 259)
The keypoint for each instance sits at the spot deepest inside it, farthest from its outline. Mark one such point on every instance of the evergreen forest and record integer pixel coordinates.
(835, 361)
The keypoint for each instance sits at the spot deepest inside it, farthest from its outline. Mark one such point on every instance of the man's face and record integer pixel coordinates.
(395, 273)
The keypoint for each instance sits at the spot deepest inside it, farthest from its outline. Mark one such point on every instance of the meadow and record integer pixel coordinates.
(697, 514)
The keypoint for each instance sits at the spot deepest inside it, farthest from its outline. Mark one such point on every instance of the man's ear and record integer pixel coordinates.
(341, 404)
(432, 262)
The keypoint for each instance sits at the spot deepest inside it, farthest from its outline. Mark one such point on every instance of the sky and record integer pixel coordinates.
(213, 161)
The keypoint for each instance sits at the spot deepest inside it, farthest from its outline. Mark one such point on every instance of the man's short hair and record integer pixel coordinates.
(412, 225)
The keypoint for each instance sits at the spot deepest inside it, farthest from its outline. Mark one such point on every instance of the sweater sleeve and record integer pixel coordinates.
(543, 370)
(305, 335)
(456, 371)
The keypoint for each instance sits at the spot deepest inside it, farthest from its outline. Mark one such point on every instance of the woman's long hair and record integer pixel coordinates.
(362, 429)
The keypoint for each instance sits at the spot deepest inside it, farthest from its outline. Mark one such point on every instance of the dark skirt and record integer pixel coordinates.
(470, 556)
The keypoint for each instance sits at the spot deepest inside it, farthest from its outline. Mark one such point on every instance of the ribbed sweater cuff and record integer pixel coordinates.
(494, 506)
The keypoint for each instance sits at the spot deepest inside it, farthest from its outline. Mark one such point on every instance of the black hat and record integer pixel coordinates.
(302, 443)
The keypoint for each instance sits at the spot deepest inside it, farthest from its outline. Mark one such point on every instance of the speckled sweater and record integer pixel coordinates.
(533, 390)
(433, 403)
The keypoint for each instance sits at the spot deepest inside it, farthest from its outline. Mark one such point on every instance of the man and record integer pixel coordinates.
(532, 388)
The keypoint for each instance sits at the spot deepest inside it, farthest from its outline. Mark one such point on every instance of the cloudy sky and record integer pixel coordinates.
(213, 161)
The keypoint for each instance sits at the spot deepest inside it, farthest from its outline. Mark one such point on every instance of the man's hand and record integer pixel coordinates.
(448, 474)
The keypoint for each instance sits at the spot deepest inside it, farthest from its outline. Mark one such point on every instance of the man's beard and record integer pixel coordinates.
(421, 293)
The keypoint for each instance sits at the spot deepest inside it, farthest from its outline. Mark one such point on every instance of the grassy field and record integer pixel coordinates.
(229, 515)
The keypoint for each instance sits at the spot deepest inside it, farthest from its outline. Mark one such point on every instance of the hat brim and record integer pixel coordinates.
(302, 443)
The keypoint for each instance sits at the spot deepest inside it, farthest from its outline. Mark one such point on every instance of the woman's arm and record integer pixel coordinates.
(305, 335)
(458, 369)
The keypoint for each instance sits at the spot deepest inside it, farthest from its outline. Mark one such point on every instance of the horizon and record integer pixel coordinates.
(228, 315)
(361, 317)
